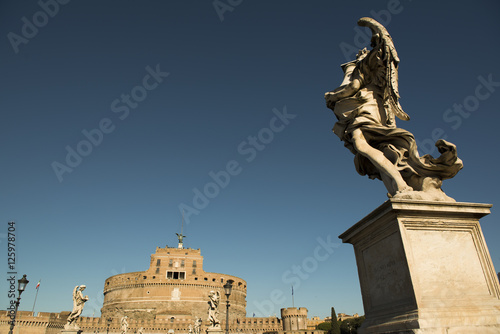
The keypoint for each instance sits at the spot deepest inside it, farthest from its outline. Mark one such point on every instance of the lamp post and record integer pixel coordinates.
(227, 289)
(21, 285)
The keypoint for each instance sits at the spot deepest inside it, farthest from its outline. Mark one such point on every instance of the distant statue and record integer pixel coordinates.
(180, 237)
(366, 105)
(141, 331)
(213, 309)
(124, 325)
(197, 326)
(78, 303)
(190, 329)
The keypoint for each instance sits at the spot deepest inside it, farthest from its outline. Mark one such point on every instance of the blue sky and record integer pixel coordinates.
(177, 91)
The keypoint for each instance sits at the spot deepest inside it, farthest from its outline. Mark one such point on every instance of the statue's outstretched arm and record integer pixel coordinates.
(343, 92)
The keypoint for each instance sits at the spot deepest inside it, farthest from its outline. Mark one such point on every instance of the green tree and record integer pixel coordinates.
(335, 328)
(325, 326)
(350, 326)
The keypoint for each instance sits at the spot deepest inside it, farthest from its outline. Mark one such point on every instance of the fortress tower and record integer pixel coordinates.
(175, 287)
(294, 319)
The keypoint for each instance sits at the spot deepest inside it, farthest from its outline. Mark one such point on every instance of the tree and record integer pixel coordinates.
(335, 328)
(325, 326)
(351, 325)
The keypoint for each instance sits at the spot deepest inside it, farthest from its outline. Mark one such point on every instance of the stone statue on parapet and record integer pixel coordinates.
(213, 309)
(197, 326)
(366, 105)
(78, 303)
(124, 325)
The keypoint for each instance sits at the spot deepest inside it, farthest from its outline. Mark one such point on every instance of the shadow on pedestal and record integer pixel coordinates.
(424, 267)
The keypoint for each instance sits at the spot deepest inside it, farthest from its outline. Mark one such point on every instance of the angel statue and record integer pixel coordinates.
(366, 105)
(197, 325)
(124, 325)
(213, 309)
(78, 303)
(180, 237)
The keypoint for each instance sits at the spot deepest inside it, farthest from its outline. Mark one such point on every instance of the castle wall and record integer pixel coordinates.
(175, 285)
(294, 319)
(53, 323)
(169, 296)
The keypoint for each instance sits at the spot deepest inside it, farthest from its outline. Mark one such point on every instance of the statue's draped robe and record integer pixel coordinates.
(366, 111)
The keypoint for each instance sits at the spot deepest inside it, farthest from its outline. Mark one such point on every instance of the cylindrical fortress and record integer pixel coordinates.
(175, 287)
(294, 319)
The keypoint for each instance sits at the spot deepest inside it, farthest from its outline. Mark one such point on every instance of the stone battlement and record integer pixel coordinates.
(293, 311)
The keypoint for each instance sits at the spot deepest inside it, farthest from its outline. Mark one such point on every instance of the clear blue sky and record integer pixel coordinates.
(88, 66)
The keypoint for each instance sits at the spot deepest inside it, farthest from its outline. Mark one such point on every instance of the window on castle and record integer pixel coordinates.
(182, 263)
(158, 261)
(194, 264)
(157, 270)
(176, 274)
(170, 263)
(194, 271)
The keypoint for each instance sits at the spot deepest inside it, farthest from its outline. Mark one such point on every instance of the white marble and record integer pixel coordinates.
(366, 106)
(78, 302)
(424, 267)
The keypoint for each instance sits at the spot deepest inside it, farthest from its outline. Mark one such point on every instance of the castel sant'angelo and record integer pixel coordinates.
(168, 297)
(174, 286)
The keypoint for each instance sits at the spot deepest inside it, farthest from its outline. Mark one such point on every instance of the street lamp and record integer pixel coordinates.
(227, 289)
(21, 285)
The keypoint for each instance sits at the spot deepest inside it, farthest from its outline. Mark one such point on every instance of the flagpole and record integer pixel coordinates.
(293, 303)
(38, 287)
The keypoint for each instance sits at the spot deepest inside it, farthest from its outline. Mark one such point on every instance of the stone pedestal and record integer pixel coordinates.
(214, 330)
(71, 331)
(424, 268)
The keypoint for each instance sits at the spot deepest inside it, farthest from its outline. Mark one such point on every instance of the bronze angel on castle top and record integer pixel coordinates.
(366, 106)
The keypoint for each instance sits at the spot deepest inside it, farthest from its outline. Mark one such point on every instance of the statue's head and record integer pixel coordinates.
(82, 287)
(361, 54)
(375, 40)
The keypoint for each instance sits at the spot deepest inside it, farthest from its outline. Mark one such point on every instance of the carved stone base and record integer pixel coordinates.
(424, 268)
(214, 330)
(71, 331)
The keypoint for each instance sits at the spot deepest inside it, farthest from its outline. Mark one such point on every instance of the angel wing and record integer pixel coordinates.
(75, 290)
(390, 61)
